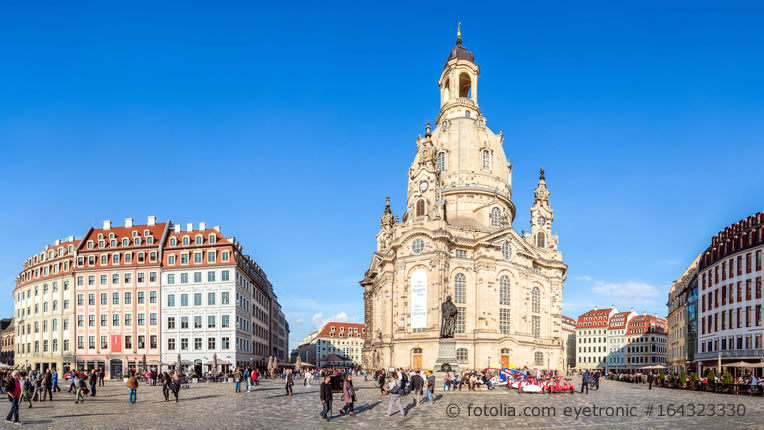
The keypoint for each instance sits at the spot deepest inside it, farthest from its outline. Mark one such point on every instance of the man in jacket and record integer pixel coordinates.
(13, 389)
(289, 382)
(650, 380)
(47, 384)
(93, 380)
(585, 381)
(101, 375)
(326, 398)
(416, 387)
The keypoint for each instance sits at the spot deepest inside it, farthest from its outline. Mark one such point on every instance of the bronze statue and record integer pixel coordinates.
(448, 318)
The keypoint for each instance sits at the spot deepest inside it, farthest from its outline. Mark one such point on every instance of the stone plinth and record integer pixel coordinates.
(446, 356)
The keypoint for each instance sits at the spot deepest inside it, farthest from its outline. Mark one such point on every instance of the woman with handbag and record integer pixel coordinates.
(175, 386)
(348, 396)
(166, 381)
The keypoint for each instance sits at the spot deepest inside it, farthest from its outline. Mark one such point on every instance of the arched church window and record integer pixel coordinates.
(446, 91)
(486, 160)
(536, 302)
(504, 290)
(460, 288)
(539, 358)
(466, 114)
(461, 354)
(465, 85)
(417, 350)
(420, 208)
(496, 217)
(540, 239)
(441, 161)
(505, 351)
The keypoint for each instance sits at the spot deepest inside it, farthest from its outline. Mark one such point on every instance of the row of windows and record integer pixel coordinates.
(225, 275)
(22, 329)
(732, 318)
(712, 297)
(225, 257)
(20, 296)
(485, 156)
(115, 320)
(731, 343)
(127, 342)
(128, 277)
(27, 348)
(225, 299)
(225, 322)
(126, 257)
(44, 271)
(172, 344)
(732, 264)
(198, 240)
(115, 296)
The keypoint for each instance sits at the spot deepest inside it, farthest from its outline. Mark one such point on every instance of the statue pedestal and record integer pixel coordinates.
(446, 356)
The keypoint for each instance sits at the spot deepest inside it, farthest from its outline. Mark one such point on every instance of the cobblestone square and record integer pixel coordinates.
(213, 406)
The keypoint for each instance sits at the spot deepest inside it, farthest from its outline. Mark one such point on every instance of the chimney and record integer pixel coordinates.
(189, 227)
(217, 228)
(202, 226)
(107, 225)
(595, 308)
(632, 310)
(152, 220)
(176, 227)
(58, 242)
(644, 313)
(612, 306)
(70, 238)
(128, 222)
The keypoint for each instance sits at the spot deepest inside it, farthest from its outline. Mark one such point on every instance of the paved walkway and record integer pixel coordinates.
(216, 406)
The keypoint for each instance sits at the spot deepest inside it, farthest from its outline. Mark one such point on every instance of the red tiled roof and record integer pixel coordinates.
(594, 319)
(618, 321)
(641, 324)
(348, 328)
(120, 233)
(221, 244)
(41, 263)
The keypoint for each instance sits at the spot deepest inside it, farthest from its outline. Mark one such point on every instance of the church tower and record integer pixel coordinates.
(455, 238)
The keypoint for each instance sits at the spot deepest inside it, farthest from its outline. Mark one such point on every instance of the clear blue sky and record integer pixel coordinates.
(288, 125)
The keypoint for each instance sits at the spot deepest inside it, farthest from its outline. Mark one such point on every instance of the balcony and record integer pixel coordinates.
(740, 353)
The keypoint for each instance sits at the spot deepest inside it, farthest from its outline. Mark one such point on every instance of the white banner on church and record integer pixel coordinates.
(419, 299)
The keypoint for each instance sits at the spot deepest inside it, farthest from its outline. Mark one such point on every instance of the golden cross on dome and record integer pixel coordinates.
(459, 30)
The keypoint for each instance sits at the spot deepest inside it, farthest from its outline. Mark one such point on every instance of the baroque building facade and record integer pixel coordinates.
(682, 321)
(456, 239)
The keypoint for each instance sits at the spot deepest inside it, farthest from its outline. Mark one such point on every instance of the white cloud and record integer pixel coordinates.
(584, 278)
(319, 320)
(671, 261)
(639, 293)
(299, 320)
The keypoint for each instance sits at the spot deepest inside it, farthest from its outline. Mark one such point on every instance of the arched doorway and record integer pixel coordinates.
(505, 353)
(416, 358)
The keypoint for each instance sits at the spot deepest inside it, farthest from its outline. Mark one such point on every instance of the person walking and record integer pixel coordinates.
(381, 381)
(175, 386)
(597, 375)
(93, 380)
(650, 380)
(55, 381)
(47, 384)
(585, 381)
(237, 381)
(430, 386)
(25, 387)
(73, 382)
(132, 388)
(13, 389)
(289, 382)
(80, 386)
(255, 375)
(306, 379)
(166, 381)
(348, 396)
(101, 375)
(416, 387)
(394, 390)
(248, 378)
(326, 398)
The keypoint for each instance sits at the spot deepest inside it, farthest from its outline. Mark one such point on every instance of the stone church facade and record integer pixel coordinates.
(456, 239)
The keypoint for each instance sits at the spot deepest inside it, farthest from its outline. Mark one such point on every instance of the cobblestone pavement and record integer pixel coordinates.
(216, 406)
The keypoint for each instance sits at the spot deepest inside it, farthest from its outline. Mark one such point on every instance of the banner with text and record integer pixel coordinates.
(419, 299)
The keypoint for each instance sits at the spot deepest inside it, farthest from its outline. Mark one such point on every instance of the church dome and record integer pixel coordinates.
(461, 53)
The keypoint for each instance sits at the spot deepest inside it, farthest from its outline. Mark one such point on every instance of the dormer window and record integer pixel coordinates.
(213, 238)
(125, 242)
(146, 233)
(137, 241)
(173, 242)
(90, 246)
(135, 233)
(199, 239)
(113, 243)
(100, 236)
(150, 240)
(186, 241)
(111, 236)
(101, 243)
